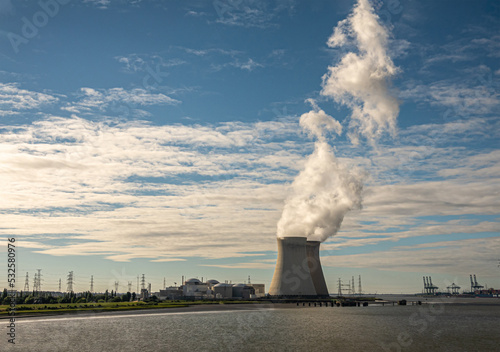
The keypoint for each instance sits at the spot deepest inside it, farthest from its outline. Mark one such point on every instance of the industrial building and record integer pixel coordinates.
(194, 288)
(223, 291)
(298, 270)
(212, 289)
(243, 291)
(170, 293)
(260, 289)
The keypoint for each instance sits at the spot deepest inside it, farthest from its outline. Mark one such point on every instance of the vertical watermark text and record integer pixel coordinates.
(11, 280)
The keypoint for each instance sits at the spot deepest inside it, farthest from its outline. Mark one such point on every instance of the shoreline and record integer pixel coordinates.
(201, 308)
(196, 308)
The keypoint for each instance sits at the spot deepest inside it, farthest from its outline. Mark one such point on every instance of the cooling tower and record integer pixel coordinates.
(312, 249)
(292, 276)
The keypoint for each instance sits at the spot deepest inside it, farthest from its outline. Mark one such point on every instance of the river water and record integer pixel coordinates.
(430, 327)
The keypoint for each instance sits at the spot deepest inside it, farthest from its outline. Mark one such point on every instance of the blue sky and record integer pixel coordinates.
(161, 137)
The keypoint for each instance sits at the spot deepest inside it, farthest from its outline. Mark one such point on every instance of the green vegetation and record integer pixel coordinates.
(84, 297)
(29, 304)
(56, 308)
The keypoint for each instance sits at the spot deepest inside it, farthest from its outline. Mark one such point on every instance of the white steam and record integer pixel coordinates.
(326, 189)
(316, 122)
(360, 79)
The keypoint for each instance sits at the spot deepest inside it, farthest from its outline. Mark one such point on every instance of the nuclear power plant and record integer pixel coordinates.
(298, 270)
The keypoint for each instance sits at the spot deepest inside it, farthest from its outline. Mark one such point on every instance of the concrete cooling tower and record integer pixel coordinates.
(312, 249)
(292, 276)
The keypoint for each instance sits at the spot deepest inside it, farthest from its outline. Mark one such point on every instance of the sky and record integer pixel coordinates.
(164, 137)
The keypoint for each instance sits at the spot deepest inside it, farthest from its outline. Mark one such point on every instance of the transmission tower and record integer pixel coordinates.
(164, 282)
(359, 286)
(149, 287)
(143, 282)
(35, 282)
(27, 283)
(91, 283)
(117, 283)
(60, 285)
(39, 281)
(340, 287)
(70, 282)
(249, 280)
(129, 286)
(353, 290)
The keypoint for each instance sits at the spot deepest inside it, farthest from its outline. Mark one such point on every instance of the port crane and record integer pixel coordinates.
(429, 287)
(474, 285)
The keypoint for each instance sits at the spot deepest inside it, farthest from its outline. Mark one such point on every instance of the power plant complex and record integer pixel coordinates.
(298, 270)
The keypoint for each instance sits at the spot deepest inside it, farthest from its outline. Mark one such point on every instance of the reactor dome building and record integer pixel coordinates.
(298, 270)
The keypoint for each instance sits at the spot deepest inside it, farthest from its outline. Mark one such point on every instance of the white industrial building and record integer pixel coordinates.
(194, 288)
(212, 289)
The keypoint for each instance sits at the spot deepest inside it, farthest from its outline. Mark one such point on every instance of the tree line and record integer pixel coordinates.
(34, 297)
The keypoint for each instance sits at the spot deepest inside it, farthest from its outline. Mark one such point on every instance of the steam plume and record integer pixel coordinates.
(326, 189)
(360, 79)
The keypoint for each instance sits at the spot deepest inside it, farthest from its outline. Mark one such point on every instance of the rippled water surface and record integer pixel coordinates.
(400, 328)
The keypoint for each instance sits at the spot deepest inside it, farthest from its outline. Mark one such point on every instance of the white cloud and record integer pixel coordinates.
(245, 13)
(225, 58)
(151, 64)
(13, 99)
(132, 190)
(133, 63)
(249, 65)
(89, 100)
(450, 257)
(462, 99)
(243, 266)
(98, 181)
(101, 4)
(195, 14)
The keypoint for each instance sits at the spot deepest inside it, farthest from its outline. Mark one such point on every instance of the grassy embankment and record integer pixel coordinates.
(59, 308)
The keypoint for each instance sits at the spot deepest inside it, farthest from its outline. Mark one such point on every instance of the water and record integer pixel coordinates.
(439, 327)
